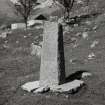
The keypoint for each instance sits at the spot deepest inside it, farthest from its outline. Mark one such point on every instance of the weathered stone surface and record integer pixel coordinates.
(29, 86)
(52, 71)
(42, 90)
(68, 87)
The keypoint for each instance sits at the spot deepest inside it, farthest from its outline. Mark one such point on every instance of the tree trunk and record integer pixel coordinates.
(25, 21)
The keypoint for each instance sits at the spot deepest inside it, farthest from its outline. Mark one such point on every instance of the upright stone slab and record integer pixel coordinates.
(52, 70)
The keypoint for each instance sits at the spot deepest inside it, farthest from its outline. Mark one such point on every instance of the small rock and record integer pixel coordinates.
(25, 36)
(24, 94)
(67, 96)
(73, 60)
(75, 45)
(86, 74)
(17, 41)
(95, 27)
(88, 22)
(94, 44)
(91, 56)
(3, 35)
(76, 61)
(85, 35)
(75, 25)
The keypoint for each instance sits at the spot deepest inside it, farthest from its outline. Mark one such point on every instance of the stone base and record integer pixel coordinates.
(67, 87)
(30, 86)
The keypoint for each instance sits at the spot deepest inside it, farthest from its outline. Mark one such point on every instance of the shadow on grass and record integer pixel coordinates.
(75, 76)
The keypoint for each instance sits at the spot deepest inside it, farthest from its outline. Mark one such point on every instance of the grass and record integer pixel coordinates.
(16, 64)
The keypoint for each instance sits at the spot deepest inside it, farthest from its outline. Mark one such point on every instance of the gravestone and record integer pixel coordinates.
(52, 69)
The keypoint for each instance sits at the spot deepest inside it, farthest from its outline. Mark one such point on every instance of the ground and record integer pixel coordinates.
(18, 66)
